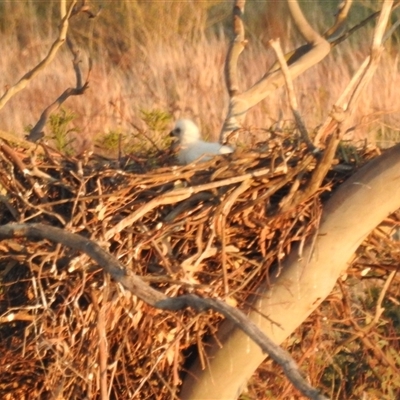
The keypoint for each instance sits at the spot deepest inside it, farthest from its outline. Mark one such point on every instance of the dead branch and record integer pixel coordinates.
(36, 132)
(131, 282)
(333, 32)
(102, 340)
(340, 22)
(177, 195)
(22, 168)
(337, 39)
(236, 47)
(338, 121)
(240, 103)
(275, 44)
(157, 299)
(25, 80)
(343, 106)
(376, 50)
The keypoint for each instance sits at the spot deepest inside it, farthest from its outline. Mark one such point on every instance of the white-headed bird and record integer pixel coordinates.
(191, 146)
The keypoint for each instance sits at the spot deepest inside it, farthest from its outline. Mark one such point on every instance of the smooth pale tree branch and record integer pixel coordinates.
(336, 30)
(275, 44)
(236, 47)
(307, 32)
(342, 37)
(338, 122)
(376, 51)
(344, 107)
(240, 103)
(340, 22)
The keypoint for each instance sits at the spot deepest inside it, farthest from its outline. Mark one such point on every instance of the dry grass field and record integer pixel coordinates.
(165, 60)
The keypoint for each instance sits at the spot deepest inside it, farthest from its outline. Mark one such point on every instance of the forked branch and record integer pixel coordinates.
(36, 132)
(333, 35)
(347, 102)
(66, 15)
(240, 103)
(24, 81)
(337, 123)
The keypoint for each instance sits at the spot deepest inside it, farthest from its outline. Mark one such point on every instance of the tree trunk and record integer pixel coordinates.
(352, 212)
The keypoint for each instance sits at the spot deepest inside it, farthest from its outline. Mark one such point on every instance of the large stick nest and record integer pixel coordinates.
(214, 228)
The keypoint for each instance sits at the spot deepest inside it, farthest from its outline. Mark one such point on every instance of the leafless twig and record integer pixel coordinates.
(24, 81)
(36, 132)
(275, 44)
(240, 102)
(157, 299)
(337, 122)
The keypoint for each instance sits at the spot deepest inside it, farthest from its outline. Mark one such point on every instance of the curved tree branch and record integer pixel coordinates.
(307, 278)
(306, 30)
(240, 103)
(338, 27)
(157, 299)
(23, 82)
(236, 48)
(348, 101)
(36, 132)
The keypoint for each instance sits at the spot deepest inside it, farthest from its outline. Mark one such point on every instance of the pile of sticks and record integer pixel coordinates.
(214, 229)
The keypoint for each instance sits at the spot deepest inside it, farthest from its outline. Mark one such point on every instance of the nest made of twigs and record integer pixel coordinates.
(212, 228)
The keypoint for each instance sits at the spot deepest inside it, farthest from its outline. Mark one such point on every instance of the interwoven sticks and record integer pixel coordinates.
(212, 229)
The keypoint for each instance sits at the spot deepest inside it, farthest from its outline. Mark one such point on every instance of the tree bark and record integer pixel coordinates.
(353, 211)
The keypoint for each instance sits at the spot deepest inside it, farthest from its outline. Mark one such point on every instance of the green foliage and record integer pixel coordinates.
(60, 132)
(156, 120)
(28, 128)
(147, 141)
(111, 140)
(348, 153)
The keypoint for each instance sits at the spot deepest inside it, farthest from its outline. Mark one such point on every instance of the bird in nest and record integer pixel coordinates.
(190, 145)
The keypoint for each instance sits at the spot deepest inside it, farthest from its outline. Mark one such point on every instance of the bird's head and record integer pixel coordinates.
(186, 131)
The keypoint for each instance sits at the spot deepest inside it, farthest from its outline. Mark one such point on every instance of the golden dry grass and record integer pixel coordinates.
(179, 70)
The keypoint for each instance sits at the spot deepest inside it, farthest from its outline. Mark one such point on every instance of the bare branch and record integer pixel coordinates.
(275, 44)
(343, 107)
(131, 282)
(176, 195)
(239, 104)
(341, 37)
(339, 26)
(338, 119)
(309, 34)
(236, 47)
(376, 51)
(63, 8)
(157, 299)
(36, 132)
(330, 35)
(24, 81)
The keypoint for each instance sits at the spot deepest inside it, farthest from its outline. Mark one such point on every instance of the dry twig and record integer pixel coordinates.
(157, 299)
